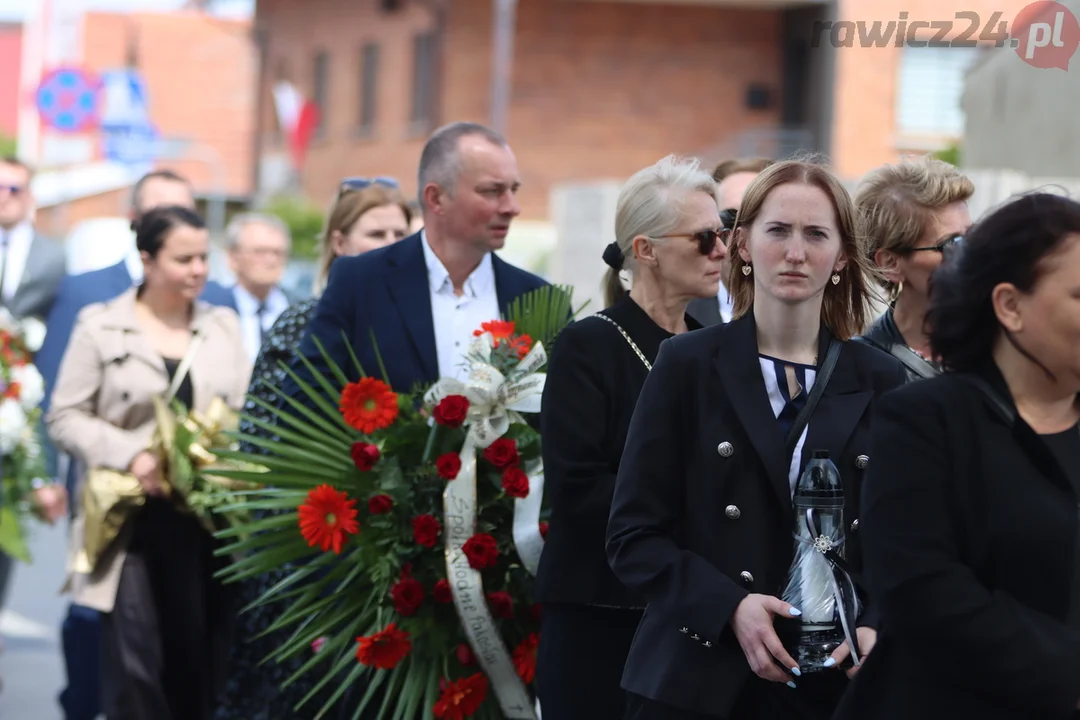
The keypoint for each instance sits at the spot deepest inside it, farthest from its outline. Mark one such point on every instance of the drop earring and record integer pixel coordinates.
(836, 278)
(746, 270)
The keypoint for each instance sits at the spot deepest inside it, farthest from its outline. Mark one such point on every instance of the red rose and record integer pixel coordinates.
(365, 455)
(543, 529)
(451, 411)
(448, 465)
(515, 483)
(441, 592)
(502, 453)
(481, 550)
(502, 605)
(380, 504)
(408, 595)
(425, 530)
(465, 655)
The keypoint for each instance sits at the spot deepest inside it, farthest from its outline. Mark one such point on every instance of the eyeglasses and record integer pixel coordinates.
(950, 241)
(706, 239)
(352, 184)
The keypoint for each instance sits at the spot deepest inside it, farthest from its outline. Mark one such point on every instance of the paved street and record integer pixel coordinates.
(31, 666)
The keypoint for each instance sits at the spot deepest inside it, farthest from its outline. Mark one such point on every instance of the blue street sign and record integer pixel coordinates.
(128, 135)
(133, 145)
(67, 100)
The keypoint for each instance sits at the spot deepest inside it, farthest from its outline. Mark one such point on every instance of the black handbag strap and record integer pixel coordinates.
(912, 360)
(1003, 408)
(820, 381)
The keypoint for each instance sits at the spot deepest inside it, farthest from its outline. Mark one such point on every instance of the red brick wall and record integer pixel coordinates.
(599, 89)
(201, 77)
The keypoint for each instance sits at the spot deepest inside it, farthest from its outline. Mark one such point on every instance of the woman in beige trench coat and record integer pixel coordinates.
(165, 621)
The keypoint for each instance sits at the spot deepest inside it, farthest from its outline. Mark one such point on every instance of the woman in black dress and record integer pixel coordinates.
(914, 213)
(366, 214)
(670, 239)
(702, 517)
(970, 524)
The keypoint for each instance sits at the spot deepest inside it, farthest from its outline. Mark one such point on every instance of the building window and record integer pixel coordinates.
(320, 89)
(929, 89)
(369, 83)
(423, 82)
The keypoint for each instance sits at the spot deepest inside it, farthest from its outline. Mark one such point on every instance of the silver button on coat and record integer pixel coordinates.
(733, 512)
(862, 461)
(725, 449)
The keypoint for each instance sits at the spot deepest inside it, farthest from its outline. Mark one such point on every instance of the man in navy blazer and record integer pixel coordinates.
(81, 631)
(423, 297)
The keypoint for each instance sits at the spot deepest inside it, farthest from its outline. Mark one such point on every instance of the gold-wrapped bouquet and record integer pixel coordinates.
(187, 444)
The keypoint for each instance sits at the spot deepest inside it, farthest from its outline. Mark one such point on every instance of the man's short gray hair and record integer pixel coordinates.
(440, 162)
(237, 224)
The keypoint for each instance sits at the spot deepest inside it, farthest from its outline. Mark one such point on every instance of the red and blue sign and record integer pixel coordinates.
(68, 100)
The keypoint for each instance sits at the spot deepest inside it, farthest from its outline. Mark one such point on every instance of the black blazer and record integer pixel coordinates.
(385, 293)
(593, 381)
(702, 514)
(969, 532)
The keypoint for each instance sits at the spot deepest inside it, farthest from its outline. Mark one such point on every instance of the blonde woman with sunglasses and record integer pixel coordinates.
(366, 214)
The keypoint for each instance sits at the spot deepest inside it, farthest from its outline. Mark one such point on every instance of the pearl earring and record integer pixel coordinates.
(746, 269)
(836, 278)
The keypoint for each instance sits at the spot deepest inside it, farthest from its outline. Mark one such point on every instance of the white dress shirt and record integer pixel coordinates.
(456, 317)
(16, 247)
(727, 304)
(248, 307)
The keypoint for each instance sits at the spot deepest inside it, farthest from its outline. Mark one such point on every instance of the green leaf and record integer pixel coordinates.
(13, 535)
(542, 313)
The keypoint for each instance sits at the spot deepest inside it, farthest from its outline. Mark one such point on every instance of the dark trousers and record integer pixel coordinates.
(165, 643)
(580, 660)
(815, 698)
(81, 638)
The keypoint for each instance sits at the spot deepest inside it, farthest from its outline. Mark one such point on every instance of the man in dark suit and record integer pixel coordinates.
(81, 633)
(732, 178)
(423, 297)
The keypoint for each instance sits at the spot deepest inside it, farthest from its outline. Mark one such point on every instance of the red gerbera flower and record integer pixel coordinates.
(525, 657)
(462, 698)
(327, 517)
(521, 344)
(499, 329)
(368, 405)
(385, 649)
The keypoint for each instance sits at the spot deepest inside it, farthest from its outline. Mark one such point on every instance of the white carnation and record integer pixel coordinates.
(12, 425)
(31, 386)
(33, 333)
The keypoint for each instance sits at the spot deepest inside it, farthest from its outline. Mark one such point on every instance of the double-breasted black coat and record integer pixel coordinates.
(702, 513)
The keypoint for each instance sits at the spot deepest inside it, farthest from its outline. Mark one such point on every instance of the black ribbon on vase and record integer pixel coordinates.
(844, 589)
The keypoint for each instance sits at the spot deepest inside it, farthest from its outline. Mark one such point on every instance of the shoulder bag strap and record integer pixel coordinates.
(629, 341)
(820, 381)
(912, 361)
(184, 367)
(1001, 406)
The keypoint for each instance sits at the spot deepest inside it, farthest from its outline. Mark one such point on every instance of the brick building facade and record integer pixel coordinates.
(598, 89)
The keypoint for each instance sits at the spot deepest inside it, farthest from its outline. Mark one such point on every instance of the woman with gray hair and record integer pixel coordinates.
(669, 239)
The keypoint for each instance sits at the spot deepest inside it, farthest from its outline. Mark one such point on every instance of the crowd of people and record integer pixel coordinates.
(757, 316)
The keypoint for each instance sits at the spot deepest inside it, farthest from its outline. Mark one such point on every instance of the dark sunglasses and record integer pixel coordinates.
(352, 184)
(706, 239)
(951, 241)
